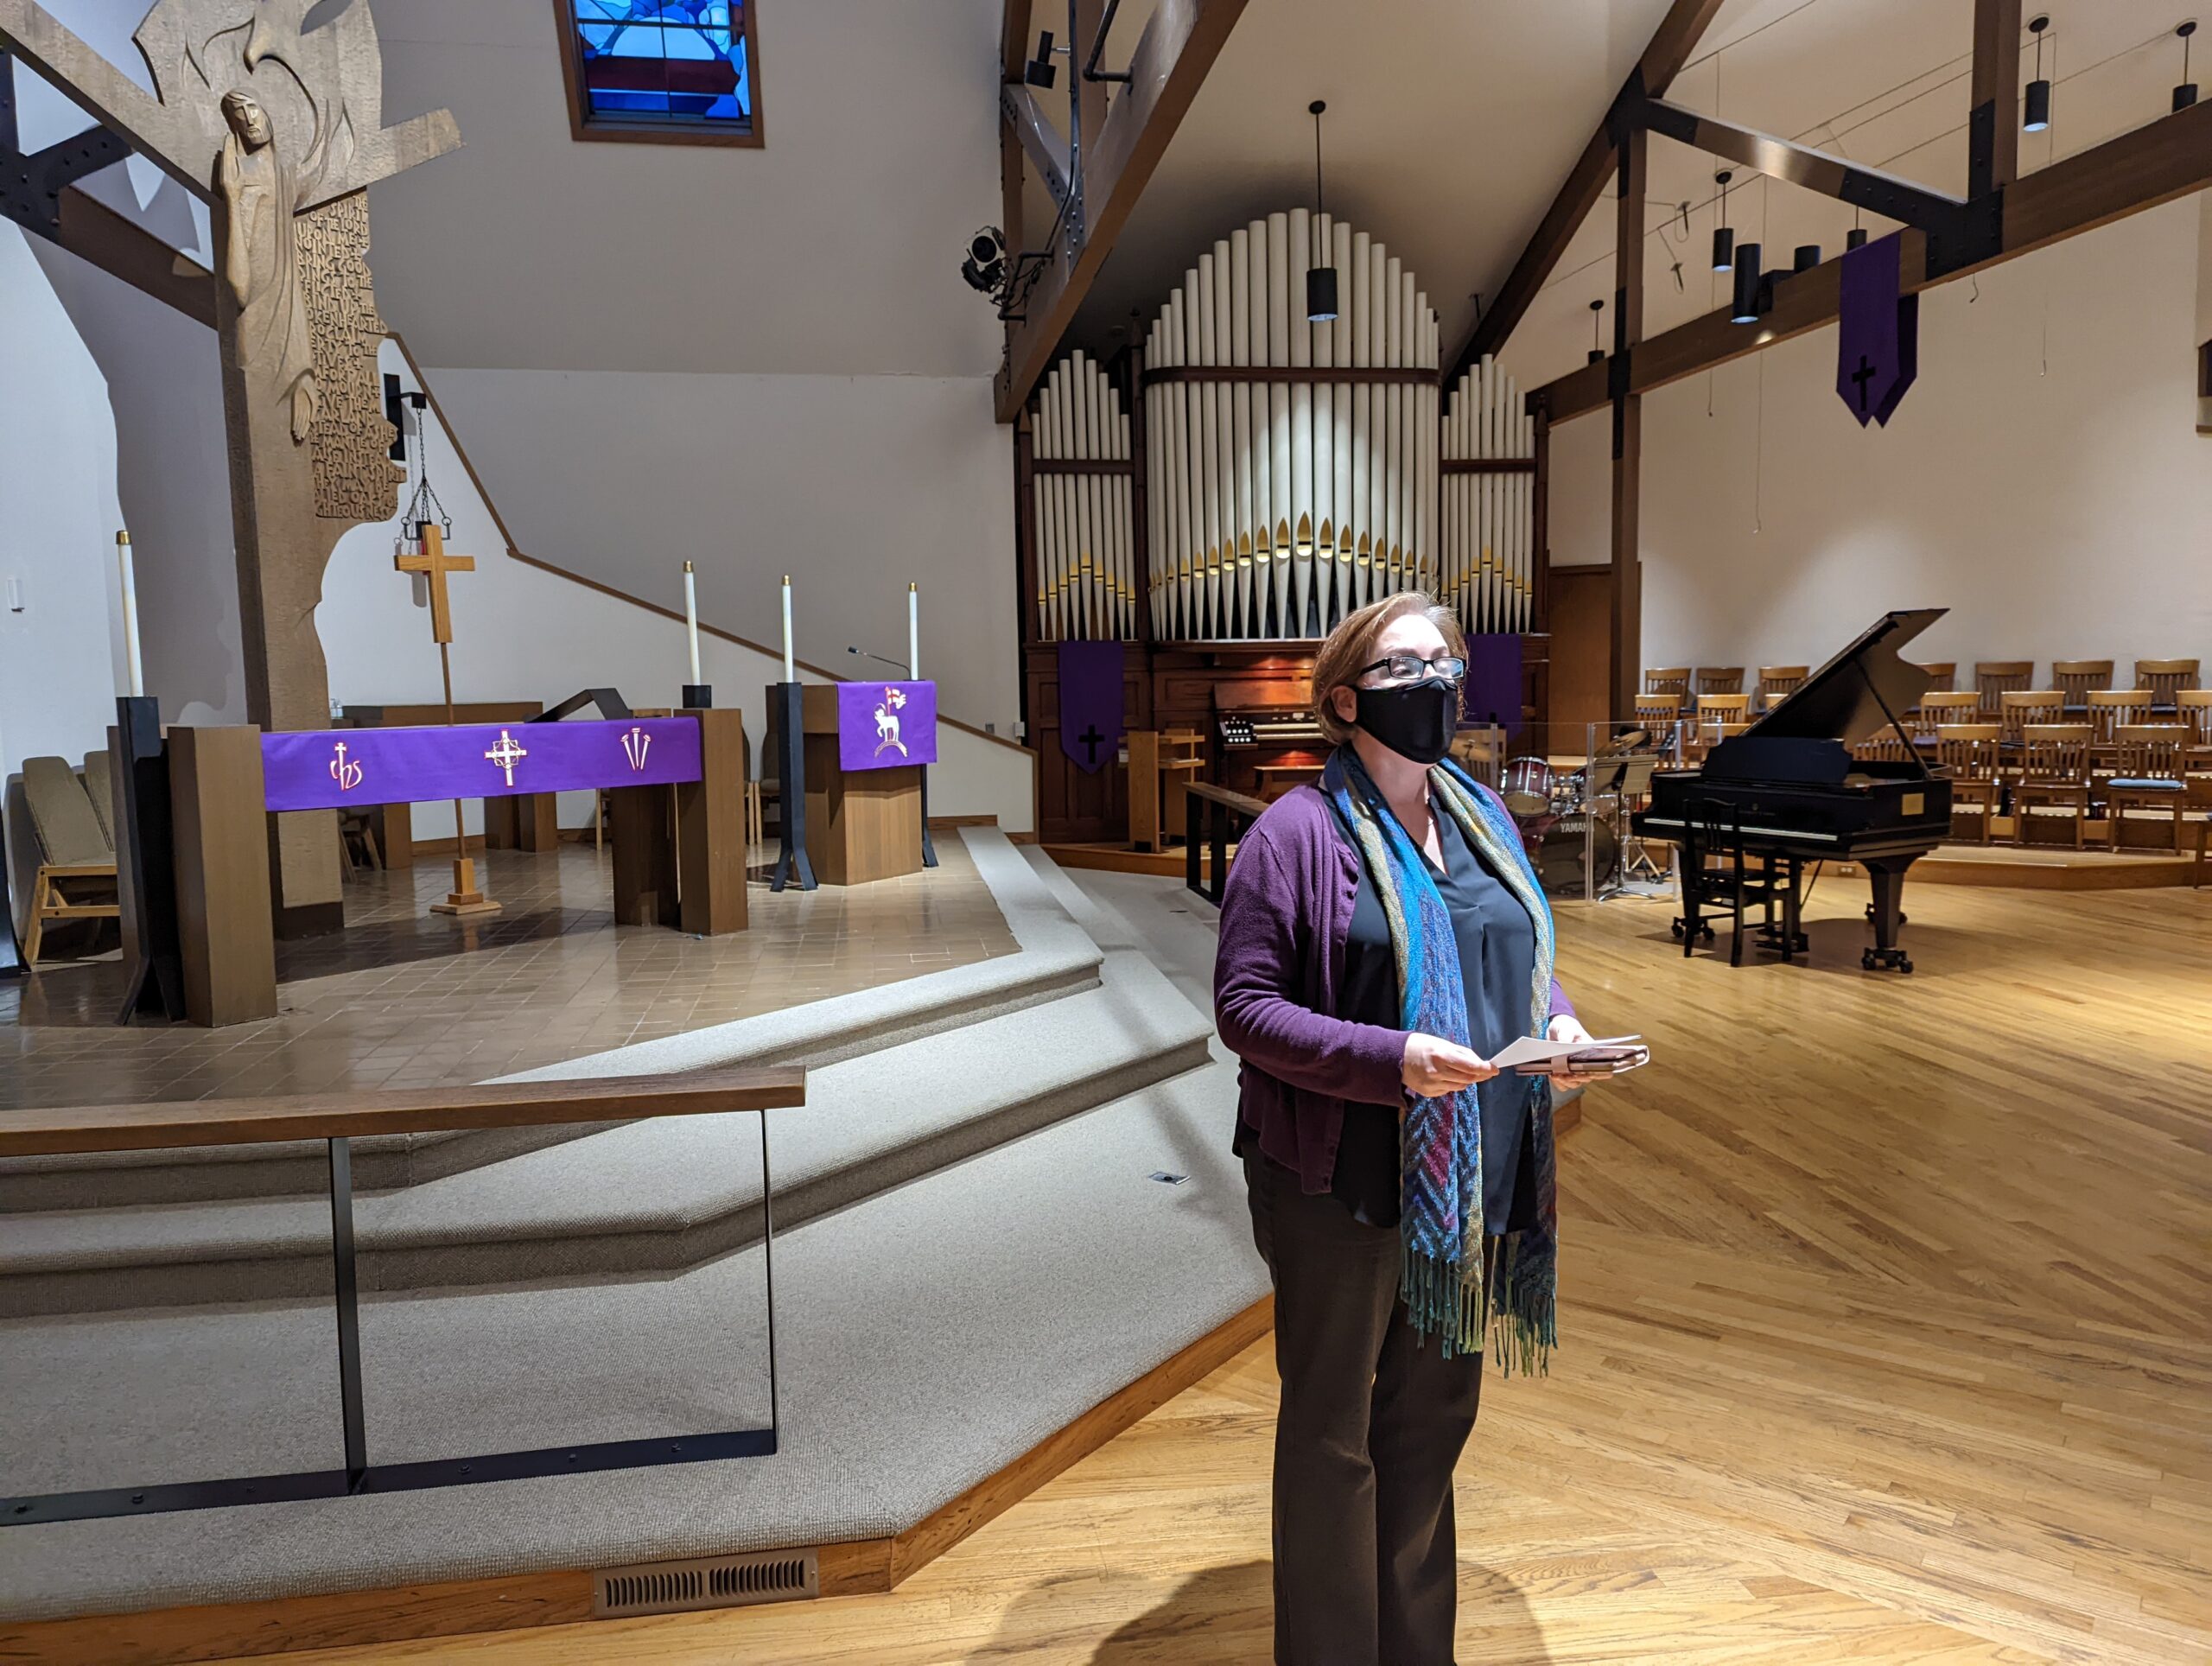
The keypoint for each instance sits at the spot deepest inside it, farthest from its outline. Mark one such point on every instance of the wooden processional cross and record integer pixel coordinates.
(432, 562)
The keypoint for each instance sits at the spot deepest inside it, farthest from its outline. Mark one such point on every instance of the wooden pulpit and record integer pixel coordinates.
(861, 824)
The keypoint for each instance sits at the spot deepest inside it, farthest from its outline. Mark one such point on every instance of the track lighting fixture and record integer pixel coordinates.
(2036, 109)
(1320, 280)
(2185, 93)
(1724, 236)
(1040, 71)
(1745, 300)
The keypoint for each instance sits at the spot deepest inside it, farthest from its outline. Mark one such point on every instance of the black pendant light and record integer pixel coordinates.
(2185, 93)
(1744, 308)
(1320, 281)
(2036, 109)
(1807, 257)
(1724, 236)
(1856, 236)
(1597, 352)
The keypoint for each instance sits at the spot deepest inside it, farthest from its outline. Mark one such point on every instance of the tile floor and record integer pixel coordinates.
(403, 998)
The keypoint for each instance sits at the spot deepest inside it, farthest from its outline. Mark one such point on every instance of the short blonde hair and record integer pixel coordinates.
(1350, 646)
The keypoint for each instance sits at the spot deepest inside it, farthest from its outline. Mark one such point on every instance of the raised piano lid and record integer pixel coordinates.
(1838, 704)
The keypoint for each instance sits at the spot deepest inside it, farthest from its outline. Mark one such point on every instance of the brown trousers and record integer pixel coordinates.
(1366, 1558)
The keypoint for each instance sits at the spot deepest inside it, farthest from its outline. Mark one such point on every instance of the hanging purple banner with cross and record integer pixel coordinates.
(886, 725)
(330, 769)
(1091, 704)
(1878, 340)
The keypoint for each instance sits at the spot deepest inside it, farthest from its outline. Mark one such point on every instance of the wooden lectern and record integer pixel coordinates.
(863, 825)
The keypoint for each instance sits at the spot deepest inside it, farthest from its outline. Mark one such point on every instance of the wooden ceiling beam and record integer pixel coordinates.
(1173, 55)
(91, 230)
(1672, 42)
(1993, 116)
(2169, 158)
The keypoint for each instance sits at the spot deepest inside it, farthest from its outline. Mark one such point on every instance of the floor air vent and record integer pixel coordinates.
(677, 1587)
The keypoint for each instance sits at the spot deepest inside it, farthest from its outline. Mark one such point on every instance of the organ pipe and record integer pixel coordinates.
(1086, 567)
(1285, 501)
(1487, 548)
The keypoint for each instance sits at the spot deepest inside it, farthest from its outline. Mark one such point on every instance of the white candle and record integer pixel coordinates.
(791, 675)
(129, 582)
(914, 633)
(691, 619)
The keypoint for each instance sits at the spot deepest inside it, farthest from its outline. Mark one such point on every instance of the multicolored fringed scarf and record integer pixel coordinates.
(1440, 1141)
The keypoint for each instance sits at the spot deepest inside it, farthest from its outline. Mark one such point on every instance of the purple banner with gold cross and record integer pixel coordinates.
(329, 769)
(886, 725)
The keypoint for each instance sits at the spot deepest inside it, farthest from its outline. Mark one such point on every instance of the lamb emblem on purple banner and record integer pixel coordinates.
(886, 722)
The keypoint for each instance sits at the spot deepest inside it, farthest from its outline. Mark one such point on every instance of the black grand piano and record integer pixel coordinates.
(1789, 787)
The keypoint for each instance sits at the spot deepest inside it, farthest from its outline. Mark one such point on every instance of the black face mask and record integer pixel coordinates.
(1415, 722)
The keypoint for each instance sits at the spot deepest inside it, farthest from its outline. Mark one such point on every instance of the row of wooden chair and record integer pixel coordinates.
(2074, 680)
(2069, 768)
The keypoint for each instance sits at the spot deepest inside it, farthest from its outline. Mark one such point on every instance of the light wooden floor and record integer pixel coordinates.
(1887, 1336)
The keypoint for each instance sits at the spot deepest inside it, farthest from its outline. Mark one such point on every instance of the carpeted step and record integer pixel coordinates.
(925, 1338)
(640, 1198)
(1055, 959)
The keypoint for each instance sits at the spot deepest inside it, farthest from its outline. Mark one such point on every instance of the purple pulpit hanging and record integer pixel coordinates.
(886, 725)
(331, 769)
(1091, 704)
(1492, 693)
(1878, 338)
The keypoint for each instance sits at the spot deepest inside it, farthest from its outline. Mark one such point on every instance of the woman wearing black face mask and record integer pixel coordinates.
(1381, 936)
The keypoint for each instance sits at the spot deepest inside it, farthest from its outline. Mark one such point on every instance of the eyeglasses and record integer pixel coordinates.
(1405, 667)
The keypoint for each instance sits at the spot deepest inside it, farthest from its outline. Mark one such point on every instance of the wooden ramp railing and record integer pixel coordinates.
(1213, 819)
(339, 1118)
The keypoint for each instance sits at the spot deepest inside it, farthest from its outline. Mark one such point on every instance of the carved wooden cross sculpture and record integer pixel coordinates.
(279, 129)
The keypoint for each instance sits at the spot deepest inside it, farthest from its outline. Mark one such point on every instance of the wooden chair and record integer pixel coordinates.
(75, 878)
(1776, 681)
(1719, 679)
(1716, 869)
(356, 842)
(2075, 678)
(2165, 679)
(1994, 677)
(1886, 748)
(1942, 674)
(1942, 705)
(2193, 707)
(2110, 709)
(2054, 774)
(1719, 716)
(1969, 752)
(2147, 774)
(1667, 680)
(1658, 711)
(2019, 708)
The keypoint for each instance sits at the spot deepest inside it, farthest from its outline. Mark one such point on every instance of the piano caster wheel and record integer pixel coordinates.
(1872, 960)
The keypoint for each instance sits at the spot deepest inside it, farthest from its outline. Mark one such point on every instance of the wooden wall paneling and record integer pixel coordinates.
(225, 923)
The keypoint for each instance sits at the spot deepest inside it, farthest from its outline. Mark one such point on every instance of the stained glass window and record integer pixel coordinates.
(680, 68)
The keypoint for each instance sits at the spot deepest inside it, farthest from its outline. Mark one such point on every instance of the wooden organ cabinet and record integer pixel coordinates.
(1219, 497)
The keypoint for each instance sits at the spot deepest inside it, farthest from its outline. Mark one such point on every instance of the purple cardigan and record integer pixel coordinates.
(1285, 916)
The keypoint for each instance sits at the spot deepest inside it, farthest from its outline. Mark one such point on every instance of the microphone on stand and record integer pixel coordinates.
(897, 665)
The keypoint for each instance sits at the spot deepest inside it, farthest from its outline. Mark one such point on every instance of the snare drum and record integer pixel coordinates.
(1527, 788)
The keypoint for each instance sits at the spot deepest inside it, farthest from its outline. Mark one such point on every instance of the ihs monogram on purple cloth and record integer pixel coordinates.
(1878, 337)
(1091, 703)
(327, 769)
(886, 725)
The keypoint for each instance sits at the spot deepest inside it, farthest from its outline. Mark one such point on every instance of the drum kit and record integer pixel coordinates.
(1570, 819)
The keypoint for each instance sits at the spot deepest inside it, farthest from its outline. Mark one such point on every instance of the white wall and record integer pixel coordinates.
(853, 485)
(521, 632)
(60, 659)
(2044, 480)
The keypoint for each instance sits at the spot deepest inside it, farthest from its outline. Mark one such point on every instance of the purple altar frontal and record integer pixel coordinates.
(328, 769)
(886, 725)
